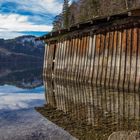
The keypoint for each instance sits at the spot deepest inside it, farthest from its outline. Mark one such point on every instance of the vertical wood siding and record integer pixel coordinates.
(110, 59)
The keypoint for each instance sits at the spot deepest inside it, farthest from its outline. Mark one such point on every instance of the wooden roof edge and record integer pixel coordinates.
(95, 21)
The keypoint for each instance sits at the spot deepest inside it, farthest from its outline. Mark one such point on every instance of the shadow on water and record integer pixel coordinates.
(92, 113)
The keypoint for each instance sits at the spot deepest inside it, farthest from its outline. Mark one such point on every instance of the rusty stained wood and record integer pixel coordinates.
(110, 59)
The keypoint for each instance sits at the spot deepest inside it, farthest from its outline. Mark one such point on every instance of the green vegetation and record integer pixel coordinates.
(66, 14)
(21, 49)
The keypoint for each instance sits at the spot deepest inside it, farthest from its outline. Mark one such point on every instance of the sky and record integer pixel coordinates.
(27, 17)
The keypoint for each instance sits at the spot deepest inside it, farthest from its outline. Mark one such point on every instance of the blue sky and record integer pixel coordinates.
(25, 17)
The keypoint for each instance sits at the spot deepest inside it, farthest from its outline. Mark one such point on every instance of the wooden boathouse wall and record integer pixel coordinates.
(104, 52)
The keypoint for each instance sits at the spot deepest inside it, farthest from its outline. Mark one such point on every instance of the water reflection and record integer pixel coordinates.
(92, 113)
(21, 86)
(21, 90)
(23, 75)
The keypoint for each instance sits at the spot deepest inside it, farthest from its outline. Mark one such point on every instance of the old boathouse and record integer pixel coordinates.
(103, 51)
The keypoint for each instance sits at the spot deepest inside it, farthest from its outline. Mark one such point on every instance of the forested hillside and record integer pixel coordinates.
(82, 10)
(21, 49)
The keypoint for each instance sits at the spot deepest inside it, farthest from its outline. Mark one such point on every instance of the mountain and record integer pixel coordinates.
(21, 49)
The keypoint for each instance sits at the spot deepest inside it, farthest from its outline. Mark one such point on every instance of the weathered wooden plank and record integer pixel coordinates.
(95, 42)
(136, 51)
(110, 59)
(97, 64)
(106, 68)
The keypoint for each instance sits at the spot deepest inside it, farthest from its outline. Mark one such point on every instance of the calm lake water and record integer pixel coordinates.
(61, 110)
(21, 91)
(92, 113)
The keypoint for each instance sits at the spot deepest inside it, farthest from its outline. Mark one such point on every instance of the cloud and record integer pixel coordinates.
(12, 89)
(20, 101)
(15, 22)
(18, 17)
(14, 25)
(13, 98)
(34, 6)
(9, 35)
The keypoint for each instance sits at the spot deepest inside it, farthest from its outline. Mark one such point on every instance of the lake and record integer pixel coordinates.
(33, 107)
(92, 113)
(21, 91)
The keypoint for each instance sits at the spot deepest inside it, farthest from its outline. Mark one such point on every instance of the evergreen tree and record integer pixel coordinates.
(57, 23)
(82, 10)
(73, 13)
(66, 14)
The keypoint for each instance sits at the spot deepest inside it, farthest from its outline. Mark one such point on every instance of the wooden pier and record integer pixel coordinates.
(103, 51)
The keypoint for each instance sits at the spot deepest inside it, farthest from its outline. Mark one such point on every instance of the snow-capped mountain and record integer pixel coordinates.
(23, 48)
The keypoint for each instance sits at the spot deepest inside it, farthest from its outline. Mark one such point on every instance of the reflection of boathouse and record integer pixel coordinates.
(96, 102)
(90, 113)
(103, 51)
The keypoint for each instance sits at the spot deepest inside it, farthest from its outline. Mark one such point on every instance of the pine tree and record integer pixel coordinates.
(57, 23)
(66, 14)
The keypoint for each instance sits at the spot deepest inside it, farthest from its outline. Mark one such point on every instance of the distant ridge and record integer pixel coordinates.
(21, 49)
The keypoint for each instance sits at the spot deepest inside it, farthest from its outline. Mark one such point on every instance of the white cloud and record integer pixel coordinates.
(13, 98)
(37, 12)
(8, 89)
(38, 6)
(9, 35)
(52, 6)
(18, 23)
(12, 24)
(20, 101)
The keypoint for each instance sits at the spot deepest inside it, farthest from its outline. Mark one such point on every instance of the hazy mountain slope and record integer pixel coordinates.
(21, 49)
